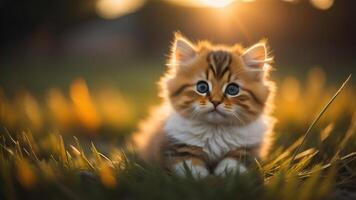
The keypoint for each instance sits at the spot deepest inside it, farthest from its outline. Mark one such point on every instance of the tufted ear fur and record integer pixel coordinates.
(183, 51)
(256, 56)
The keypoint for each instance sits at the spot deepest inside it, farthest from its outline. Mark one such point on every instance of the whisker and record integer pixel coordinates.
(238, 118)
(195, 112)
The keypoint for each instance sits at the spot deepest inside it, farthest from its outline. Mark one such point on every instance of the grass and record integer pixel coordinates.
(317, 165)
(69, 173)
(318, 117)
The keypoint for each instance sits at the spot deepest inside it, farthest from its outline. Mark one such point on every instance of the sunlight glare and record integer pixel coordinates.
(216, 3)
(110, 9)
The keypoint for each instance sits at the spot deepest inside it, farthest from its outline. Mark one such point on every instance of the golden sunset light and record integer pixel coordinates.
(110, 9)
(203, 3)
(178, 99)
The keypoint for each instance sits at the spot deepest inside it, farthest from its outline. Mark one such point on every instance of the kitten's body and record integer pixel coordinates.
(210, 132)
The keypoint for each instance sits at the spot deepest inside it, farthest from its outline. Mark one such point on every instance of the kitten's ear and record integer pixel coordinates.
(183, 51)
(256, 56)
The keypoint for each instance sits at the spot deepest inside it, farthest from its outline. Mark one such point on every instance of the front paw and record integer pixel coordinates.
(229, 166)
(198, 171)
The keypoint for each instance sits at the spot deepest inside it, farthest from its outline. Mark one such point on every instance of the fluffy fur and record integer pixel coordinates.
(215, 140)
(203, 123)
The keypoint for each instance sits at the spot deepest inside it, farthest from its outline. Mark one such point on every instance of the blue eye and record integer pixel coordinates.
(232, 89)
(202, 87)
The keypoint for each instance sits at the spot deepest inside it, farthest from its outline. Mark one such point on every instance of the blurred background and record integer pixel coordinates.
(89, 67)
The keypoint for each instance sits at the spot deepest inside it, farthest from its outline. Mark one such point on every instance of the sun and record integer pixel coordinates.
(216, 3)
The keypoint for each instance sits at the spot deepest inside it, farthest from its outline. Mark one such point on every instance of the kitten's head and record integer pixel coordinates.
(217, 84)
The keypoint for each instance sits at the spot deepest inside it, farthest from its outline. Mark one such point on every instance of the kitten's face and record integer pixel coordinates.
(220, 85)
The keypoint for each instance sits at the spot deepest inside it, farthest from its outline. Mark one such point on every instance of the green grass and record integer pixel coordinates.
(46, 166)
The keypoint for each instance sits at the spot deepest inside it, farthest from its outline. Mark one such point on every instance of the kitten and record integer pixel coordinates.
(215, 116)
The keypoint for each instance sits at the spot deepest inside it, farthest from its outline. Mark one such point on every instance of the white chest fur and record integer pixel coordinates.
(214, 139)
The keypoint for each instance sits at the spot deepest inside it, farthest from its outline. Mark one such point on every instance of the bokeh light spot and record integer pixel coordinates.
(111, 9)
(203, 3)
(322, 4)
(83, 104)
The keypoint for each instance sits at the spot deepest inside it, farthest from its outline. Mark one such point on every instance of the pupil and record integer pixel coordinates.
(202, 87)
(232, 89)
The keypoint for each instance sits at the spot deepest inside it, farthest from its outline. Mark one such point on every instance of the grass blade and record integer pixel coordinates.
(317, 119)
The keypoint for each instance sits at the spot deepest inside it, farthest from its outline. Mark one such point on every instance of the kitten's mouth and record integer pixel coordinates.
(214, 110)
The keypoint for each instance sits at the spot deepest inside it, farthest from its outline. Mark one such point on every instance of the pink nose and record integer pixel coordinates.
(215, 103)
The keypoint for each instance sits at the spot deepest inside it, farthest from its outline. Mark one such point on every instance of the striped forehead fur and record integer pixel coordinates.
(219, 62)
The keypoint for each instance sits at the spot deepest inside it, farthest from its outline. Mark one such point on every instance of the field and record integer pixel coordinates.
(68, 144)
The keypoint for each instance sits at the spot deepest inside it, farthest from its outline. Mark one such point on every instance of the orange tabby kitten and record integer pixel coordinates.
(214, 118)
